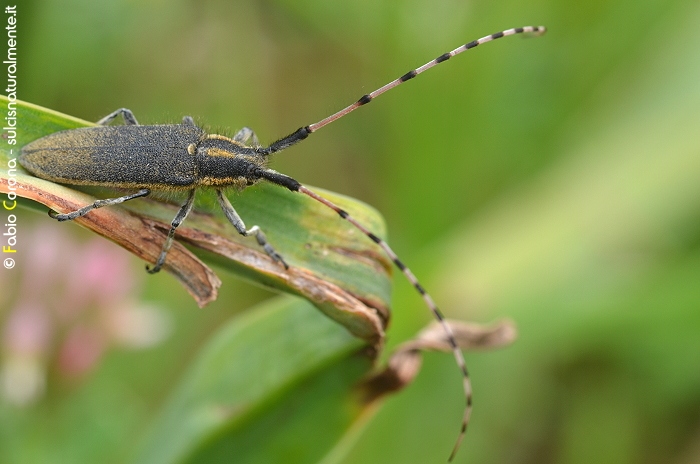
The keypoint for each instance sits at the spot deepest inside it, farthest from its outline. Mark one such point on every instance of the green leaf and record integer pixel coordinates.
(333, 265)
(274, 385)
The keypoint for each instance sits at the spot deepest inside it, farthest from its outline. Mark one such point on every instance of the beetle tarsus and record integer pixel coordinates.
(153, 270)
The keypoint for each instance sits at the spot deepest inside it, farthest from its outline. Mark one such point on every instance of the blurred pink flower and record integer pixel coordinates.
(72, 303)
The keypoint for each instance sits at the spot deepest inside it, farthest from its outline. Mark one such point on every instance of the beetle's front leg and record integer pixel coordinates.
(237, 222)
(246, 134)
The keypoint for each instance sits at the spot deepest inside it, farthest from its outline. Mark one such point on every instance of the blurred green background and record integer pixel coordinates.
(554, 181)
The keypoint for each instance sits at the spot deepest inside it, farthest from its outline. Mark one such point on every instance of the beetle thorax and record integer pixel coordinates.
(222, 161)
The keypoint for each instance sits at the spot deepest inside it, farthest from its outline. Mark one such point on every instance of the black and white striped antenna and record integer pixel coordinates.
(293, 185)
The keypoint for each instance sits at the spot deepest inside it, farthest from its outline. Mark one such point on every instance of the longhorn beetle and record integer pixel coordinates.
(183, 157)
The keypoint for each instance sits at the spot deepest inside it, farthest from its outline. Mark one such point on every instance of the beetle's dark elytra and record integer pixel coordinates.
(166, 157)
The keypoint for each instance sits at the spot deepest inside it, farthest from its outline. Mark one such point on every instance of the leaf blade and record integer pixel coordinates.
(304, 369)
(337, 268)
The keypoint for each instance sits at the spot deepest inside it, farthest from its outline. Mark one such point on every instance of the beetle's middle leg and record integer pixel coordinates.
(98, 204)
(237, 222)
(181, 215)
(129, 118)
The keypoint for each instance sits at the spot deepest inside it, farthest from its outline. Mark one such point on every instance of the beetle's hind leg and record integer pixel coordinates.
(127, 115)
(246, 134)
(181, 215)
(237, 222)
(97, 204)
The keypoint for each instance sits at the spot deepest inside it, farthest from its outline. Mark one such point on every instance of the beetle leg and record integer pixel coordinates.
(245, 134)
(97, 204)
(237, 222)
(181, 215)
(129, 118)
